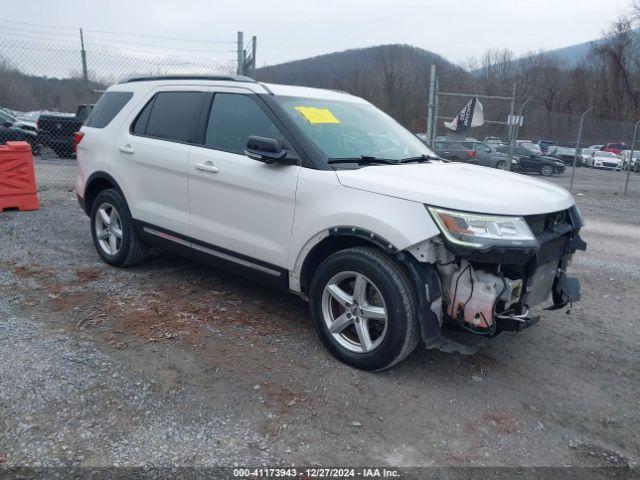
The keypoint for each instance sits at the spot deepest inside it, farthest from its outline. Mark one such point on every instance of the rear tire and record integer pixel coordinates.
(113, 232)
(381, 309)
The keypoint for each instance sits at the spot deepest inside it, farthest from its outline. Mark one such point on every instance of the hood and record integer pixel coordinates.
(460, 186)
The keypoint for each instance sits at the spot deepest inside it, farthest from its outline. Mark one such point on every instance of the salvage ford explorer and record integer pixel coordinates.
(319, 193)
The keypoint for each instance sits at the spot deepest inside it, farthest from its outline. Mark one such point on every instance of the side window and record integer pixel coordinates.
(140, 125)
(107, 108)
(233, 119)
(171, 116)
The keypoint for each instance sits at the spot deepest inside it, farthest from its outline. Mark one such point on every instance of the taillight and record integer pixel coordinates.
(471, 154)
(77, 138)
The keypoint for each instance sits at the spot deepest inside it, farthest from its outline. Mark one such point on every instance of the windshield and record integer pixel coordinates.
(606, 154)
(352, 130)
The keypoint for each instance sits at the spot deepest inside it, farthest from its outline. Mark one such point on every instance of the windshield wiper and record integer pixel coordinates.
(419, 159)
(362, 160)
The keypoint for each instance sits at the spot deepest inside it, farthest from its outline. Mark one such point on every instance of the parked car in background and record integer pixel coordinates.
(454, 151)
(616, 148)
(494, 142)
(586, 154)
(15, 129)
(529, 145)
(529, 162)
(597, 146)
(628, 161)
(57, 131)
(604, 160)
(487, 155)
(545, 144)
(565, 154)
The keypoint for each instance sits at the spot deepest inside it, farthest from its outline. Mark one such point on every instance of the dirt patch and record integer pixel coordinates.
(502, 423)
(89, 274)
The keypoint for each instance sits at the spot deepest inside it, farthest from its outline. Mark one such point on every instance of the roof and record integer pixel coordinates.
(231, 78)
(241, 82)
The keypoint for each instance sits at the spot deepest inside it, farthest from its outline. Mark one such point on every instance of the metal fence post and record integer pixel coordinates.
(434, 130)
(578, 149)
(83, 57)
(633, 145)
(240, 68)
(431, 105)
(511, 129)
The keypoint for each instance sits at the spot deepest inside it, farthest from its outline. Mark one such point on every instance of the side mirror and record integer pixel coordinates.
(267, 150)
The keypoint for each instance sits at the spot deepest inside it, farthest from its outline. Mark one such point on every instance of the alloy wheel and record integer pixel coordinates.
(546, 170)
(108, 227)
(354, 312)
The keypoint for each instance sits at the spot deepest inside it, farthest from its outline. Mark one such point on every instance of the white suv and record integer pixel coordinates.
(320, 193)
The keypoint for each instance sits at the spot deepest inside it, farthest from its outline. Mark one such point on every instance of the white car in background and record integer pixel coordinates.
(603, 160)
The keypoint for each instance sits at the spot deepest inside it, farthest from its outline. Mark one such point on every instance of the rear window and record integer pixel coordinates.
(107, 108)
(170, 116)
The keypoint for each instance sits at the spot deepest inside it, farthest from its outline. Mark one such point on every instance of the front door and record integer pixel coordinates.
(239, 204)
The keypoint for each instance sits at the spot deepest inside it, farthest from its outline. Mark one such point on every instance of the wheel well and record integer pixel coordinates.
(327, 247)
(94, 187)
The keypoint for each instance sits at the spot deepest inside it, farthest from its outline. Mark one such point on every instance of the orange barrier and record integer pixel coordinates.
(17, 177)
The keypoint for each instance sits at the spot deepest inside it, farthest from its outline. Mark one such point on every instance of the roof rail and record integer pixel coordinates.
(227, 78)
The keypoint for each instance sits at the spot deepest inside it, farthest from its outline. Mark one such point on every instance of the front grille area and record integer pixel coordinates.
(609, 164)
(545, 222)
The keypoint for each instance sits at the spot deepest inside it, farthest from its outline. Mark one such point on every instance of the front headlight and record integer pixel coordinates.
(475, 230)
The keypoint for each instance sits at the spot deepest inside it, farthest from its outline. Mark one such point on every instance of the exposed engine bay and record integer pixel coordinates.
(486, 291)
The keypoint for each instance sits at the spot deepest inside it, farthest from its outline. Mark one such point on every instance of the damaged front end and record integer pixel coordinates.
(487, 273)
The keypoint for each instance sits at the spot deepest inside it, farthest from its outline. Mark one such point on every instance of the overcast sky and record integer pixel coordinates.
(294, 29)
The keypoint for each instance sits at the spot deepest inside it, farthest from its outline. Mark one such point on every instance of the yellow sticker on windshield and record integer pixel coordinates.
(316, 116)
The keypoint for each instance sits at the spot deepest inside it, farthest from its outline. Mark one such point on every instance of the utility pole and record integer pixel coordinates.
(83, 56)
(511, 129)
(578, 149)
(633, 145)
(431, 105)
(240, 46)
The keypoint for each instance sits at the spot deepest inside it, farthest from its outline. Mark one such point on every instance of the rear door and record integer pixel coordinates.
(237, 203)
(154, 150)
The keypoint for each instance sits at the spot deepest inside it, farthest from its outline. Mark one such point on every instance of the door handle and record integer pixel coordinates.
(207, 167)
(128, 149)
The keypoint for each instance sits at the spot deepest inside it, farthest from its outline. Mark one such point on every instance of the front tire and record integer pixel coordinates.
(546, 170)
(363, 306)
(112, 230)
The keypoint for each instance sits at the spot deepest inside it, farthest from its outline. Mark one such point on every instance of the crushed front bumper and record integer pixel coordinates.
(483, 293)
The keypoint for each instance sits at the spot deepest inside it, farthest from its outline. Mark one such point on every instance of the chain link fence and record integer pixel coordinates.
(543, 143)
(48, 87)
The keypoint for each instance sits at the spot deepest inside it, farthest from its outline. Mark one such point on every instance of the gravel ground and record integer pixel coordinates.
(172, 363)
